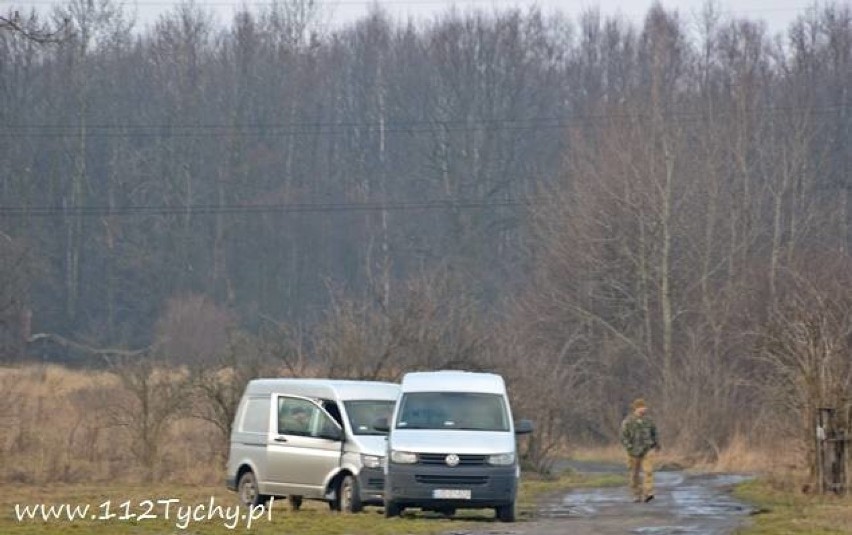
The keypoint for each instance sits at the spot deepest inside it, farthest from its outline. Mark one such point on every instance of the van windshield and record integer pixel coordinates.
(453, 410)
(364, 413)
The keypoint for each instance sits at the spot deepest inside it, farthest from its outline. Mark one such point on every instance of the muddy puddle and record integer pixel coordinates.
(684, 504)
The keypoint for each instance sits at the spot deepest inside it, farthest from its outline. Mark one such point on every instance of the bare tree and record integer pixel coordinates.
(219, 383)
(434, 326)
(151, 398)
(16, 273)
(806, 346)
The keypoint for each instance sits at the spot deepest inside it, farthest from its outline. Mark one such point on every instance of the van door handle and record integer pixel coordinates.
(280, 439)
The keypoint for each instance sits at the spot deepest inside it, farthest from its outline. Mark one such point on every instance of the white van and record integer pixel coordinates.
(310, 438)
(452, 445)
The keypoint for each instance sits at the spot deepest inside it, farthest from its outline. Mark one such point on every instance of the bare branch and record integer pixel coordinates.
(105, 352)
(43, 35)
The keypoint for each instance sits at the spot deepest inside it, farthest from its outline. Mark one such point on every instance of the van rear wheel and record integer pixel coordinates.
(505, 513)
(350, 500)
(248, 491)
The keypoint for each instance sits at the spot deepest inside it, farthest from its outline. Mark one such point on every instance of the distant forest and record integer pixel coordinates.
(593, 206)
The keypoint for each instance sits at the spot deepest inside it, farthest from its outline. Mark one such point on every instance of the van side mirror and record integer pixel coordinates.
(381, 424)
(523, 427)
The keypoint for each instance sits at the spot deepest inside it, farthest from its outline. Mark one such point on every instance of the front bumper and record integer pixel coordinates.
(371, 486)
(414, 485)
(231, 483)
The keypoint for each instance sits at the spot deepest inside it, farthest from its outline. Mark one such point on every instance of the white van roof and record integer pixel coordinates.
(453, 381)
(325, 388)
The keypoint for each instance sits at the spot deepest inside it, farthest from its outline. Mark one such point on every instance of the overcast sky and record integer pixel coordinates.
(777, 13)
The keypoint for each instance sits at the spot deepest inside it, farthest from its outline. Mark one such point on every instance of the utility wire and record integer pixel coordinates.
(320, 3)
(405, 127)
(285, 208)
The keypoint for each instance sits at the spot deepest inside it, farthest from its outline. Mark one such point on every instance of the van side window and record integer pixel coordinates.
(295, 416)
(256, 416)
(300, 417)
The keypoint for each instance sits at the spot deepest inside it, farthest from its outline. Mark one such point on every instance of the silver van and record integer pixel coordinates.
(452, 445)
(310, 438)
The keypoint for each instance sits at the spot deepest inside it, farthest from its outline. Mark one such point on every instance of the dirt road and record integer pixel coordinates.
(685, 504)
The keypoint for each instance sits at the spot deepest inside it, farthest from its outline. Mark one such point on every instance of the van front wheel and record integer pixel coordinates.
(505, 513)
(248, 491)
(350, 500)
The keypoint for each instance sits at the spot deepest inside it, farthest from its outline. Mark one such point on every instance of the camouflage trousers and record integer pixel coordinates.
(637, 467)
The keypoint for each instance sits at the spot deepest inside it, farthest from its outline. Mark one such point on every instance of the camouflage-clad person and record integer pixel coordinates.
(639, 438)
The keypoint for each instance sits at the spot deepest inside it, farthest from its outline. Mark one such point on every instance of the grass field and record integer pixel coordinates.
(313, 519)
(785, 511)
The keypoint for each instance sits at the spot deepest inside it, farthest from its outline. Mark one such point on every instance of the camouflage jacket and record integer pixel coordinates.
(638, 435)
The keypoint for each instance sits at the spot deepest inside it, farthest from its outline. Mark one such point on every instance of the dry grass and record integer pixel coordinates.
(786, 510)
(778, 492)
(742, 455)
(613, 453)
(58, 426)
(58, 444)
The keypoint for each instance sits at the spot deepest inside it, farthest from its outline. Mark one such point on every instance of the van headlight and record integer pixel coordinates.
(501, 459)
(371, 461)
(403, 457)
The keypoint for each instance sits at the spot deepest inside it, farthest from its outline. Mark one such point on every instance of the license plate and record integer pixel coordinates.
(451, 494)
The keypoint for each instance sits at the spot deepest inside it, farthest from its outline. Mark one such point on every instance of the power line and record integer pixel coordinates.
(240, 209)
(240, 5)
(404, 127)
(268, 3)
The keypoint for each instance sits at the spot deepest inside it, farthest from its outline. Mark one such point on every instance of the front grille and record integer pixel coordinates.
(451, 480)
(464, 460)
(376, 482)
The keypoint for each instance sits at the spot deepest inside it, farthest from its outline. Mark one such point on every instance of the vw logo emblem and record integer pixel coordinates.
(451, 459)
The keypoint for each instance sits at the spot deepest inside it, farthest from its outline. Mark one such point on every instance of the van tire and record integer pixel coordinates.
(350, 500)
(505, 513)
(248, 492)
(392, 509)
(295, 502)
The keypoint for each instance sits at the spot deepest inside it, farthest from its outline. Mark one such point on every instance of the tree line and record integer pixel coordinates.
(598, 209)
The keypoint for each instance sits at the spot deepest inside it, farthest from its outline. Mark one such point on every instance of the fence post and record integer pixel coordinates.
(832, 451)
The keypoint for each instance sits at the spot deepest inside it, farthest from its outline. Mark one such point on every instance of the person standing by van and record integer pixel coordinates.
(639, 438)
